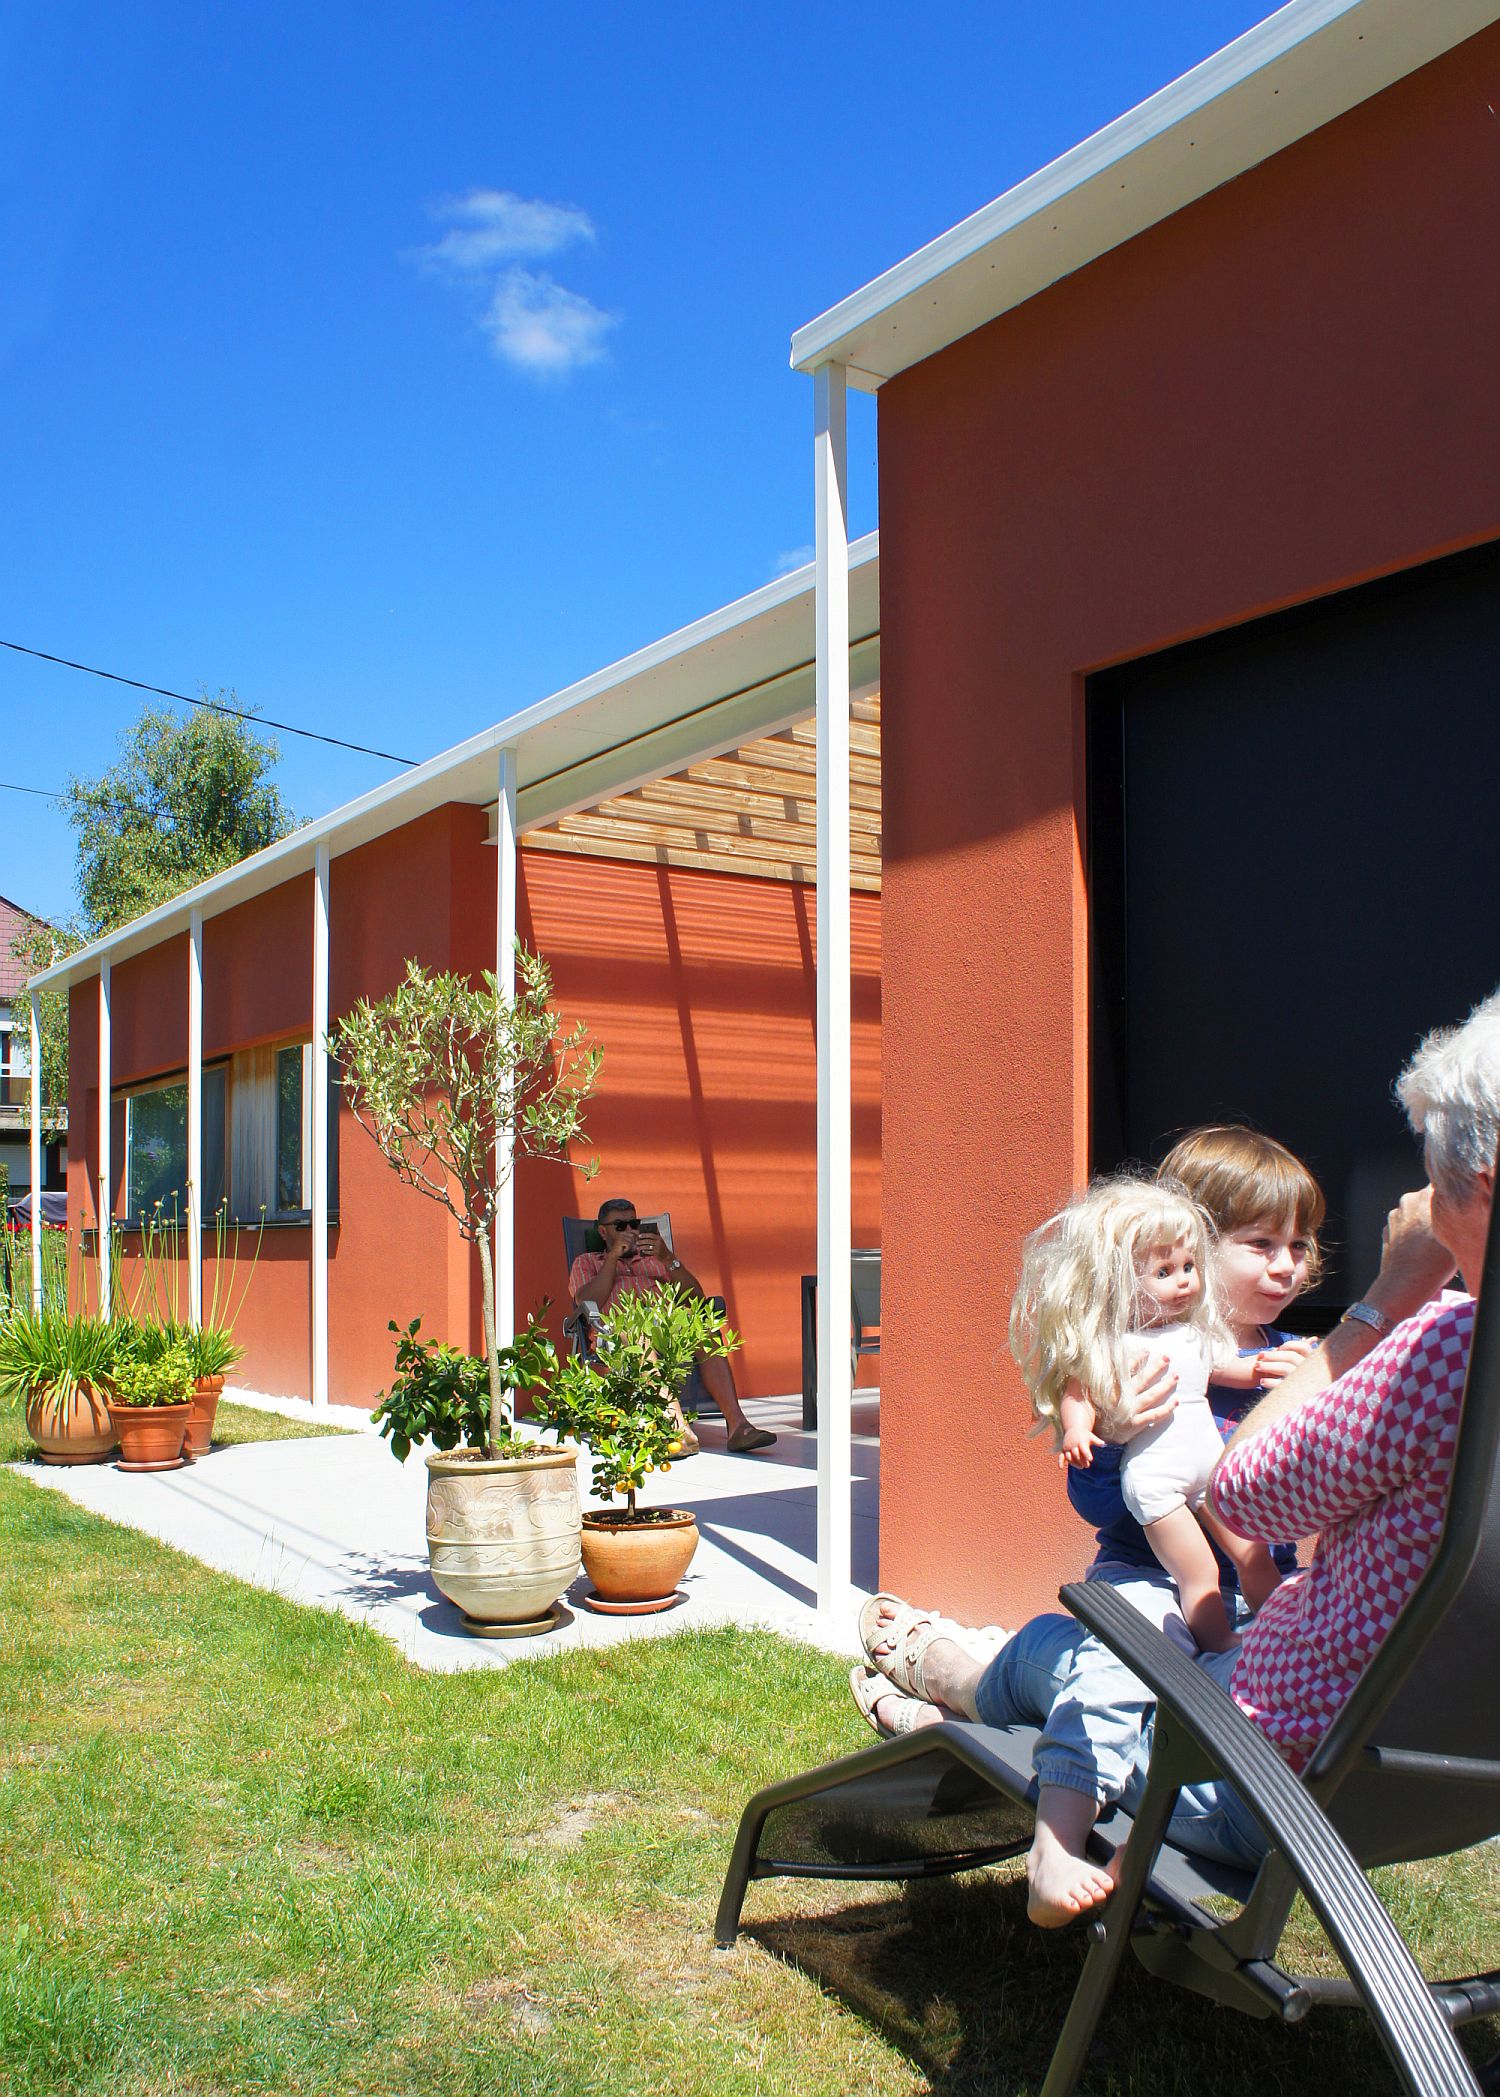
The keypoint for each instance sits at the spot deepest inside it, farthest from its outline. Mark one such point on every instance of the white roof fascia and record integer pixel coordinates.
(681, 695)
(1285, 78)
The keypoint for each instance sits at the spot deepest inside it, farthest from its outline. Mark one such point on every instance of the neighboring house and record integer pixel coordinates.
(1190, 613)
(664, 810)
(15, 1070)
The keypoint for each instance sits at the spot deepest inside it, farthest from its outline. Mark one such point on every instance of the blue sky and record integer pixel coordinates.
(396, 365)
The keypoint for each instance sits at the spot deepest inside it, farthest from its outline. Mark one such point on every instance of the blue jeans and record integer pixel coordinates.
(1097, 1718)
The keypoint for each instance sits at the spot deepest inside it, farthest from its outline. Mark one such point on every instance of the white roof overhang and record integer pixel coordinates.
(744, 671)
(1286, 77)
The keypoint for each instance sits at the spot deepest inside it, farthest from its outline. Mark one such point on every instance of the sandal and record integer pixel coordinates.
(909, 1632)
(746, 1438)
(869, 1689)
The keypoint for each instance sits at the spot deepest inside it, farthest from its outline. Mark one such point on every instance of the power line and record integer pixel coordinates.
(40, 791)
(209, 705)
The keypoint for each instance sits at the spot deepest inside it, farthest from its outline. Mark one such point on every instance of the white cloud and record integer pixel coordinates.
(794, 557)
(492, 226)
(542, 327)
(532, 321)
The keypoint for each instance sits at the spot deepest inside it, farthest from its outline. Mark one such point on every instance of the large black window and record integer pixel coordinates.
(1294, 856)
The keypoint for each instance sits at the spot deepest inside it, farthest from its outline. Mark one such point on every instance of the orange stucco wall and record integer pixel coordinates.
(1286, 389)
(700, 988)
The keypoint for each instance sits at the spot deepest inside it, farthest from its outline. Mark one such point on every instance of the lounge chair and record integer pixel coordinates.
(1408, 1770)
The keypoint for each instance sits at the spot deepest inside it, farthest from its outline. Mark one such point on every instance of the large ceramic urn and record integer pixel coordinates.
(502, 1536)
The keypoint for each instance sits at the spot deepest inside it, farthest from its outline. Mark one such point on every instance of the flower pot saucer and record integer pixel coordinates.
(602, 1608)
(530, 1627)
(171, 1463)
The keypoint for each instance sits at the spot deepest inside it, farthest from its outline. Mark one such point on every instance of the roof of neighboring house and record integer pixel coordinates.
(13, 919)
(1286, 77)
(744, 673)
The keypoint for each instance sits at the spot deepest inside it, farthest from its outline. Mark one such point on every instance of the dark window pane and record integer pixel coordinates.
(158, 1154)
(289, 1129)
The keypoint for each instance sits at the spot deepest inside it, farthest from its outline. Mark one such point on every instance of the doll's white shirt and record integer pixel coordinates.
(1167, 1467)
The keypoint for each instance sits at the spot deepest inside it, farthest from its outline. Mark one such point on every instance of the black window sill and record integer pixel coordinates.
(303, 1222)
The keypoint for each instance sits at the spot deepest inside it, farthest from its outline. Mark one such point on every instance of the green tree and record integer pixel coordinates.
(191, 796)
(437, 1071)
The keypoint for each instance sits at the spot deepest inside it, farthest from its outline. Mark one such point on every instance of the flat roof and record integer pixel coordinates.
(743, 671)
(1286, 77)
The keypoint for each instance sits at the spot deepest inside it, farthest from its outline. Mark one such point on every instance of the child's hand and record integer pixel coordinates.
(1272, 1363)
(1078, 1446)
(1149, 1398)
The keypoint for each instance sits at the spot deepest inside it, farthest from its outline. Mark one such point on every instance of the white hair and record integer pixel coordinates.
(1451, 1093)
(1080, 1296)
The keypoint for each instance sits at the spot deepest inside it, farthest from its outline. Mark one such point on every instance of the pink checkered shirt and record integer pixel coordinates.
(1364, 1466)
(631, 1276)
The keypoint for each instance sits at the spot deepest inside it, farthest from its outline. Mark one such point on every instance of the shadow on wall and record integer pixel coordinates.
(700, 987)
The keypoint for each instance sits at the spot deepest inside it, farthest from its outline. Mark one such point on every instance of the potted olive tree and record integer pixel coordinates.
(437, 1073)
(620, 1403)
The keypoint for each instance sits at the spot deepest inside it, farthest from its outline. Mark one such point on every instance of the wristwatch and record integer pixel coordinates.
(1366, 1314)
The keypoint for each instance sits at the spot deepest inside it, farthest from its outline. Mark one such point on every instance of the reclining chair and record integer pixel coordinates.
(581, 1234)
(1409, 1769)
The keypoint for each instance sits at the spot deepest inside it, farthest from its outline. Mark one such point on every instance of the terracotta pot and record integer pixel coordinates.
(200, 1427)
(151, 1436)
(502, 1536)
(72, 1430)
(635, 1566)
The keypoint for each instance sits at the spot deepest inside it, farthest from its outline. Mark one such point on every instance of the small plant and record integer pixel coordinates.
(162, 1378)
(620, 1402)
(212, 1351)
(47, 1352)
(442, 1395)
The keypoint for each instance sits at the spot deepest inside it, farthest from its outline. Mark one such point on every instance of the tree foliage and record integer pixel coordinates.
(438, 1071)
(189, 798)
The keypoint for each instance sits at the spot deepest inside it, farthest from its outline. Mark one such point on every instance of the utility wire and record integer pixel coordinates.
(209, 705)
(40, 791)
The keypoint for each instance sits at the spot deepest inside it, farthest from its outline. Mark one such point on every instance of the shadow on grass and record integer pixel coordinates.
(955, 1976)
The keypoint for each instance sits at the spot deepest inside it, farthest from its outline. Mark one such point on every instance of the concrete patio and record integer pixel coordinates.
(336, 1523)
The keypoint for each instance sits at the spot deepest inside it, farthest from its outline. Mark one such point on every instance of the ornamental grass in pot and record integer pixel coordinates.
(213, 1353)
(58, 1368)
(151, 1392)
(620, 1403)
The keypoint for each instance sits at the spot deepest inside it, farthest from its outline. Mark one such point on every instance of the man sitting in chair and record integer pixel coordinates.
(634, 1259)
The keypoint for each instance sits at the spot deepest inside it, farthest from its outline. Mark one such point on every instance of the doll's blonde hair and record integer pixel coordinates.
(1080, 1296)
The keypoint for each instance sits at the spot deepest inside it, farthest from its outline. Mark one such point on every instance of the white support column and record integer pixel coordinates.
(505, 977)
(318, 1190)
(835, 1371)
(36, 1153)
(195, 1121)
(104, 1204)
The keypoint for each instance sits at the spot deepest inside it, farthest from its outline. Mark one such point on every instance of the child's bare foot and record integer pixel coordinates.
(1059, 1886)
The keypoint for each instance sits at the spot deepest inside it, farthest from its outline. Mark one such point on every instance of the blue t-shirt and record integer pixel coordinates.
(1096, 1496)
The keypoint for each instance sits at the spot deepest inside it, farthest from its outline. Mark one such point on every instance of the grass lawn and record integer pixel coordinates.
(247, 1848)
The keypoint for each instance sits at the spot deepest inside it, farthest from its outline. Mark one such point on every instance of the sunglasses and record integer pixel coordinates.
(613, 1223)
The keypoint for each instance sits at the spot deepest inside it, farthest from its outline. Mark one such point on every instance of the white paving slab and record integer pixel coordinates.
(337, 1523)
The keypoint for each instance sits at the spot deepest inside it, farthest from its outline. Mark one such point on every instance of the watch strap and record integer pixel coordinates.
(1366, 1314)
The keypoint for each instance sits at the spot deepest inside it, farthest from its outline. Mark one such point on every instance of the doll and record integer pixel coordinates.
(1120, 1273)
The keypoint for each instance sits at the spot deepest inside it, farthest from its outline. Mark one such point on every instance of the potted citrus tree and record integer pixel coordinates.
(151, 1393)
(454, 1080)
(58, 1367)
(621, 1403)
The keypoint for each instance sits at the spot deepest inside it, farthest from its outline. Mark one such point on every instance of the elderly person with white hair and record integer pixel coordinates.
(1355, 1447)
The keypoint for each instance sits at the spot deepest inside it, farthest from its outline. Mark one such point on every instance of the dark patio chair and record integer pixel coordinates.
(1408, 1770)
(581, 1234)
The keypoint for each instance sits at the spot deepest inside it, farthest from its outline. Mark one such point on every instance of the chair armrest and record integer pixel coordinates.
(1374, 1954)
